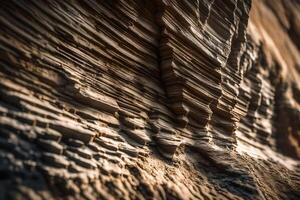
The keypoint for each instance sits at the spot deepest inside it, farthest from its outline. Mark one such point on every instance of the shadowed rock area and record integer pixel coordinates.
(150, 99)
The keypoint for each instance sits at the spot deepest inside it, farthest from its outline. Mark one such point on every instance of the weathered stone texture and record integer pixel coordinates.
(142, 99)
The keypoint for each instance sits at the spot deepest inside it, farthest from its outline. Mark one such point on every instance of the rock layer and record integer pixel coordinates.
(143, 99)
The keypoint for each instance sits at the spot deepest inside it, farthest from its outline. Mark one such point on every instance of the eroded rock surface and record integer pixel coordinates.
(140, 99)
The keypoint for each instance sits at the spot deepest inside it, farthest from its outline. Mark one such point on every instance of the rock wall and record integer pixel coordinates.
(140, 99)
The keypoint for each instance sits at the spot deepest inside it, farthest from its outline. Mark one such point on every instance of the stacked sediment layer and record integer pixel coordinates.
(138, 99)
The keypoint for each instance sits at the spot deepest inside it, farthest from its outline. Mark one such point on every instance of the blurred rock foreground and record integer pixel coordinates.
(144, 99)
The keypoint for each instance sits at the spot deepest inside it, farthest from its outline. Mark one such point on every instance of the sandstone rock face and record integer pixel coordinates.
(141, 99)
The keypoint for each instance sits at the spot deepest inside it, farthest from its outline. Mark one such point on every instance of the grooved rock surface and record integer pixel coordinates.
(142, 99)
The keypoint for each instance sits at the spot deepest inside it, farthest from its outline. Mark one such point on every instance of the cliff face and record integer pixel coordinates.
(140, 99)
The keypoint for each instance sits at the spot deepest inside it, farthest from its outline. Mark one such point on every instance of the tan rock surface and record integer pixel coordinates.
(141, 99)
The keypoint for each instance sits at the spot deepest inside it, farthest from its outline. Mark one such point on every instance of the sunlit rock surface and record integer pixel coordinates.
(142, 99)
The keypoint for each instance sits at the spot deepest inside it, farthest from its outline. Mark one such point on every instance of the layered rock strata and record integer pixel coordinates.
(140, 99)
